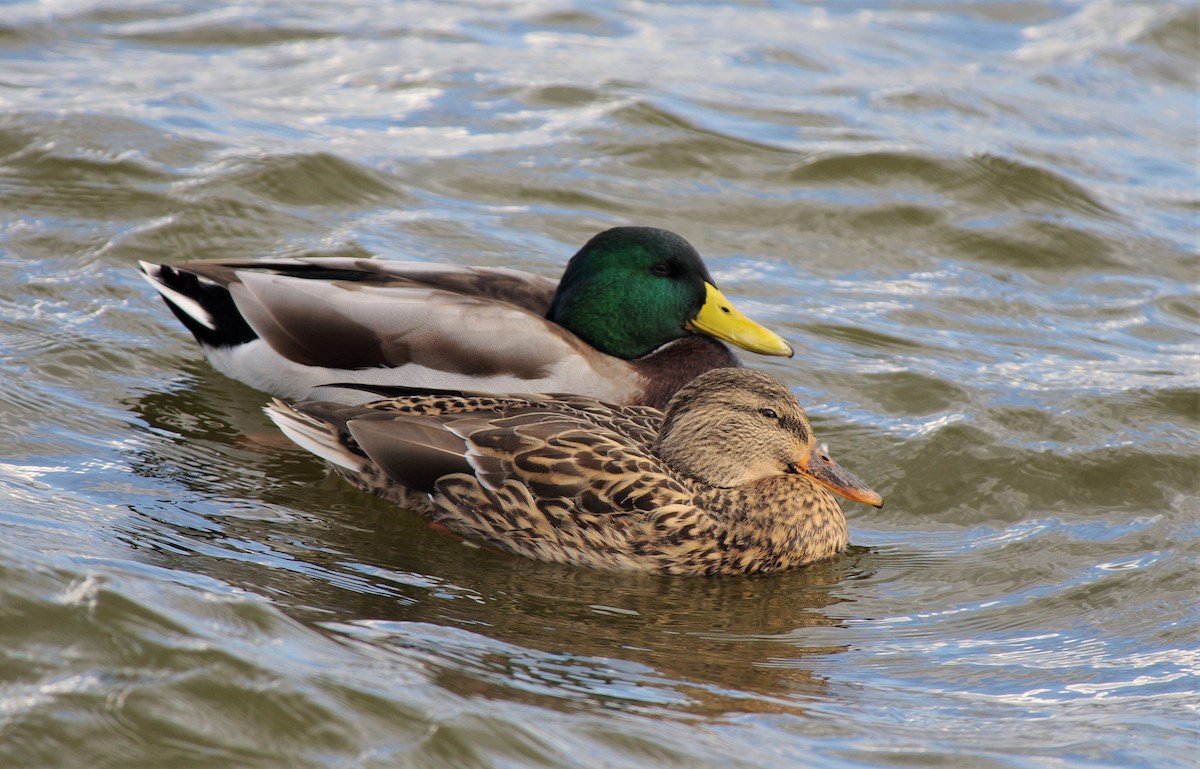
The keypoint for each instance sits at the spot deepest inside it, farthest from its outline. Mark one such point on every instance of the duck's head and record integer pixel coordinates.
(630, 290)
(732, 426)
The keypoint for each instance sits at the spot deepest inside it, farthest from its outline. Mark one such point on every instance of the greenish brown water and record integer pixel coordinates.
(976, 221)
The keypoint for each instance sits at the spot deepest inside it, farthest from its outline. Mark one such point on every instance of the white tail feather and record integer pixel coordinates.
(312, 435)
(182, 301)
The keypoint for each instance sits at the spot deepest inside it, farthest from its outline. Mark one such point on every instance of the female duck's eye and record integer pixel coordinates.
(768, 413)
(661, 268)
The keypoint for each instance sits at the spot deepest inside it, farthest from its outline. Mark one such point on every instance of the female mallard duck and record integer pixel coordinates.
(632, 320)
(730, 480)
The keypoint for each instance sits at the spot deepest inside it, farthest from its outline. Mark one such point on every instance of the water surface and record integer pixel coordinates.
(976, 221)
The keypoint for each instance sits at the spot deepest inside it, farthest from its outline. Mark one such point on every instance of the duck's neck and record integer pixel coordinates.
(676, 363)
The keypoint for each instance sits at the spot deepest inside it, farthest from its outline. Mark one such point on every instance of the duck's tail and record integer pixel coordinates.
(203, 306)
(317, 436)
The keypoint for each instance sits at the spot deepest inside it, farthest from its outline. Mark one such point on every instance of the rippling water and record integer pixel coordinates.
(977, 221)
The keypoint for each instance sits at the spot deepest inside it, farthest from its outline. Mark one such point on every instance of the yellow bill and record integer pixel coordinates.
(719, 318)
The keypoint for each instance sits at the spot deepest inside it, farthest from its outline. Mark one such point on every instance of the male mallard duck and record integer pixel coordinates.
(631, 321)
(730, 480)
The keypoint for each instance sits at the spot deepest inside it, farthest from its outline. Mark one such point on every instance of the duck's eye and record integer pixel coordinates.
(768, 413)
(661, 268)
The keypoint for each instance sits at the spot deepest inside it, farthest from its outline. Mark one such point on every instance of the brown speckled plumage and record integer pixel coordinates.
(726, 482)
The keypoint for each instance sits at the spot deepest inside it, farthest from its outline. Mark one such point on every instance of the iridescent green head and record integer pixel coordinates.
(631, 290)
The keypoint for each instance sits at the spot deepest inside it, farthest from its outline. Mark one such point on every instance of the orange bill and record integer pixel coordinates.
(836, 478)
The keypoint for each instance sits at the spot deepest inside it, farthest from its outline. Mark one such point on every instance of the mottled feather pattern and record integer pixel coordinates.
(574, 480)
(638, 422)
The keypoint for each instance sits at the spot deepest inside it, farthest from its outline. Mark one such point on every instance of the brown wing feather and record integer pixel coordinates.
(413, 451)
(637, 423)
(354, 325)
(355, 314)
(573, 491)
